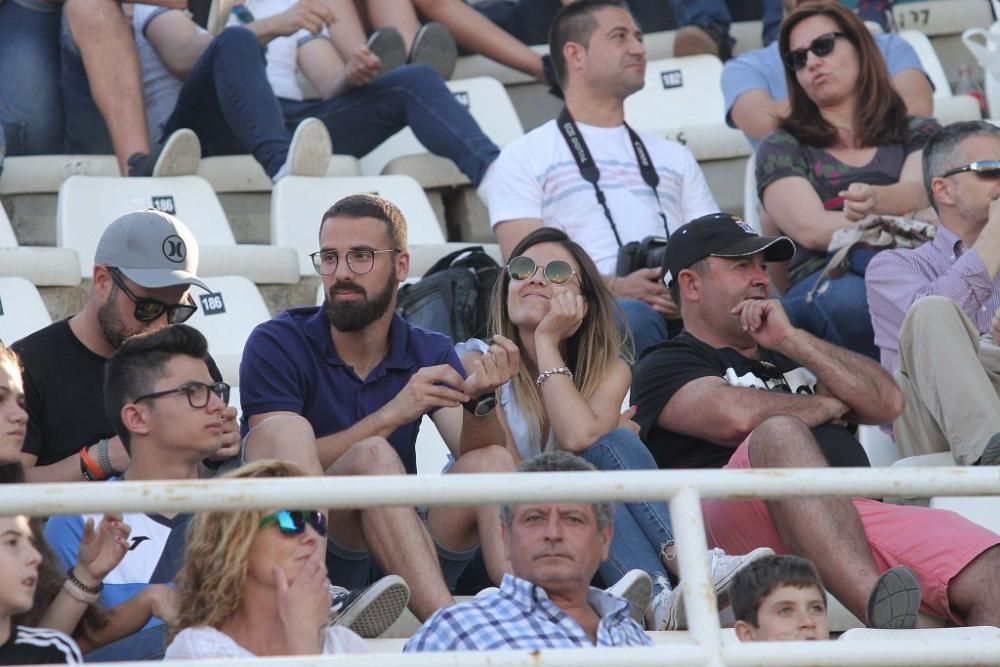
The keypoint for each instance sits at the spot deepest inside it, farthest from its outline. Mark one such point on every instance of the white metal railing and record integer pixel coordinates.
(683, 489)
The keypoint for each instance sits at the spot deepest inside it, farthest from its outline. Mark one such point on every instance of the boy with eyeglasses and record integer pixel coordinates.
(144, 265)
(936, 309)
(168, 410)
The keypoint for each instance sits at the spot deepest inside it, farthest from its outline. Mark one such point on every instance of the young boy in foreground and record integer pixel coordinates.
(779, 598)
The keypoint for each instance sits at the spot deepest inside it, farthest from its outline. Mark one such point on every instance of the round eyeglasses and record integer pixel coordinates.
(359, 261)
(556, 272)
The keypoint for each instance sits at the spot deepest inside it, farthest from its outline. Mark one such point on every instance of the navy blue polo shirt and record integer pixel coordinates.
(289, 364)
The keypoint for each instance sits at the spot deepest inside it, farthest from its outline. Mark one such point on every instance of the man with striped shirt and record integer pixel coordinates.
(935, 308)
(547, 602)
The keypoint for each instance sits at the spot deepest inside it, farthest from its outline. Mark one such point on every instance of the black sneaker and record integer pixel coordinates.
(895, 600)
(370, 611)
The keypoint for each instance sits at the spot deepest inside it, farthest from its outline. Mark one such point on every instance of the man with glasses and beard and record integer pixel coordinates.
(144, 265)
(341, 389)
(936, 309)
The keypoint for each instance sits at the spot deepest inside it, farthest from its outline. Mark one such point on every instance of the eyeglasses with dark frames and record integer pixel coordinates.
(987, 168)
(198, 393)
(148, 309)
(359, 260)
(821, 46)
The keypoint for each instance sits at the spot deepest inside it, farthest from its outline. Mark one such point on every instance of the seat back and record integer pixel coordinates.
(487, 102)
(929, 60)
(226, 317)
(7, 237)
(22, 310)
(298, 204)
(88, 204)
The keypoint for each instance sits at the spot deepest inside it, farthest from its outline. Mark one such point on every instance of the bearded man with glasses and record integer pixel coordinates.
(144, 265)
(936, 309)
(342, 388)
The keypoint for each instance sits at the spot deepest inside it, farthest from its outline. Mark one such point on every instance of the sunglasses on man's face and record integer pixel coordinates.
(294, 522)
(148, 309)
(983, 168)
(821, 46)
(556, 272)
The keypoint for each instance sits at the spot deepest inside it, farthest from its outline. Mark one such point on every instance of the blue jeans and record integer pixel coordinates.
(86, 132)
(868, 10)
(646, 325)
(146, 644)
(411, 95)
(642, 529)
(227, 101)
(838, 312)
(31, 113)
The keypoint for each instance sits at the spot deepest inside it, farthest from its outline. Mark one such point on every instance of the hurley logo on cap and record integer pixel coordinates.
(174, 249)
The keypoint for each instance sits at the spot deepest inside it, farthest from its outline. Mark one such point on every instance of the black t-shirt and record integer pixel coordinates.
(39, 646)
(64, 393)
(664, 369)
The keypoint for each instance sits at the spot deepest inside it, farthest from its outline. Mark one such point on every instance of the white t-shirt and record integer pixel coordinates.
(282, 52)
(203, 643)
(536, 177)
(159, 87)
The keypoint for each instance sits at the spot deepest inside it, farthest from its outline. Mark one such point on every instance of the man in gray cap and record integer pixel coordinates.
(143, 267)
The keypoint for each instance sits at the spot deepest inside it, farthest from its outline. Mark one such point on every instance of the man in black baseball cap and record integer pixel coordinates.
(144, 265)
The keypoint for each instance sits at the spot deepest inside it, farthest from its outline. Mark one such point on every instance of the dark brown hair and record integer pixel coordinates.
(880, 115)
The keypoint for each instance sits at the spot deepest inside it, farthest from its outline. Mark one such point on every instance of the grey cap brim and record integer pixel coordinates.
(153, 278)
(775, 248)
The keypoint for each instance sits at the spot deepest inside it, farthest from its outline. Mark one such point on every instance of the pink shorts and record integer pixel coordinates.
(935, 544)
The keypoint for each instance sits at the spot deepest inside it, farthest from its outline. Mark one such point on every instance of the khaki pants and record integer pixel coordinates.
(951, 380)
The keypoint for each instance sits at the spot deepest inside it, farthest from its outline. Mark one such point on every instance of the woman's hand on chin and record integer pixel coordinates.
(566, 313)
(304, 605)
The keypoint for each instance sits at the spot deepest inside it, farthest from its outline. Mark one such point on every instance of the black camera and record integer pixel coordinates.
(649, 253)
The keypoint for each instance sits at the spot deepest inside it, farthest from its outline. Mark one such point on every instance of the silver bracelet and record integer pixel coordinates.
(103, 459)
(546, 374)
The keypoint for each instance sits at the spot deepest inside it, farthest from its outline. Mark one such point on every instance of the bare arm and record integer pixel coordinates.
(129, 617)
(68, 469)
(688, 410)
(902, 198)
(475, 32)
(757, 114)
(510, 232)
(316, 60)
(795, 207)
(577, 422)
(177, 41)
(913, 86)
(311, 15)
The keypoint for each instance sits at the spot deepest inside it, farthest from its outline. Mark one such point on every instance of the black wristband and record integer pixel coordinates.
(91, 590)
(482, 406)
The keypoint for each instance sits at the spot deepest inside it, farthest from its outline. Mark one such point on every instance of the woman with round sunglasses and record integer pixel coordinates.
(552, 302)
(845, 151)
(254, 583)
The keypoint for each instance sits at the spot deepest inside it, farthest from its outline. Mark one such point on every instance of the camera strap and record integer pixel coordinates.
(590, 173)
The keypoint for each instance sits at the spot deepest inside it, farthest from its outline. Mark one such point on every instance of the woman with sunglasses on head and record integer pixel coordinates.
(254, 583)
(552, 303)
(845, 151)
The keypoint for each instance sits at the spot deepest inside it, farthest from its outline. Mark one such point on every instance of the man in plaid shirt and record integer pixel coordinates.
(554, 550)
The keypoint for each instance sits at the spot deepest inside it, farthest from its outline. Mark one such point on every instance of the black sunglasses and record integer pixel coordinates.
(294, 522)
(148, 309)
(556, 272)
(821, 46)
(198, 393)
(988, 168)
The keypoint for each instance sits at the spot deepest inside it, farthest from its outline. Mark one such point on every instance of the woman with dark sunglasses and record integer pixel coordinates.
(552, 302)
(254, 583)
(845, 151)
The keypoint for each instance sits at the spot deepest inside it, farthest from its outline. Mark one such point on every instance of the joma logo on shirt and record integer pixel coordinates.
(136, 541)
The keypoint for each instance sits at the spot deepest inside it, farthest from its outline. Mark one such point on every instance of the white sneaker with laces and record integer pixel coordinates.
(635, 587)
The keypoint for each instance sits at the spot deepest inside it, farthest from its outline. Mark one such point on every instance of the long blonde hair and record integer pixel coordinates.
(212, 581)
(591, 352)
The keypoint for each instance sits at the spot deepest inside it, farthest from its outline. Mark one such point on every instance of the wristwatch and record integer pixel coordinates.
(482, 406)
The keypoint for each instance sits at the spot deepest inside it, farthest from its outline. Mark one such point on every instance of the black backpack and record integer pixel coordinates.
(453, 297)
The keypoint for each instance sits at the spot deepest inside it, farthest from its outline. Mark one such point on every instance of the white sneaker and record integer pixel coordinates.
(666, 611)
(635, 587)
(370, 611)
(179, 156)
(309, 151)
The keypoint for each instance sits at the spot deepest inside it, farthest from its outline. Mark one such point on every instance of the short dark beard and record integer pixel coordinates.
(110, 322)
(355, 316)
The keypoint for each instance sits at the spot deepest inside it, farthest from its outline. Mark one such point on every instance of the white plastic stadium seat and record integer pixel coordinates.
(22, 310)
(490, 106)
(87, 205)
(242, 173)
(40, 266)
(926, 460)
(930, 61)
(432, 452)
(922, 635)
(34, 174)
(227, 316)
(298, 204)
(751, 203)
(682, 100)
(984, 510)
(878, 445)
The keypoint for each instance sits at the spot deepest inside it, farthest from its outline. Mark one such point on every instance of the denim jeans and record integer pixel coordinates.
(227, 101)
(868, 10)
(31, 113)
(646, 325)
(838, 313)
(411, 95)
(146, 644)
(642, 529)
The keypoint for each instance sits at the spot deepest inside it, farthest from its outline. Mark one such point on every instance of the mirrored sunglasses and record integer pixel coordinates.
(556, 272)
(988, 168)
(294, 522)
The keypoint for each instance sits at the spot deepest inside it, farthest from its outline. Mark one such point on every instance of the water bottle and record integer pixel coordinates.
(968, 86)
